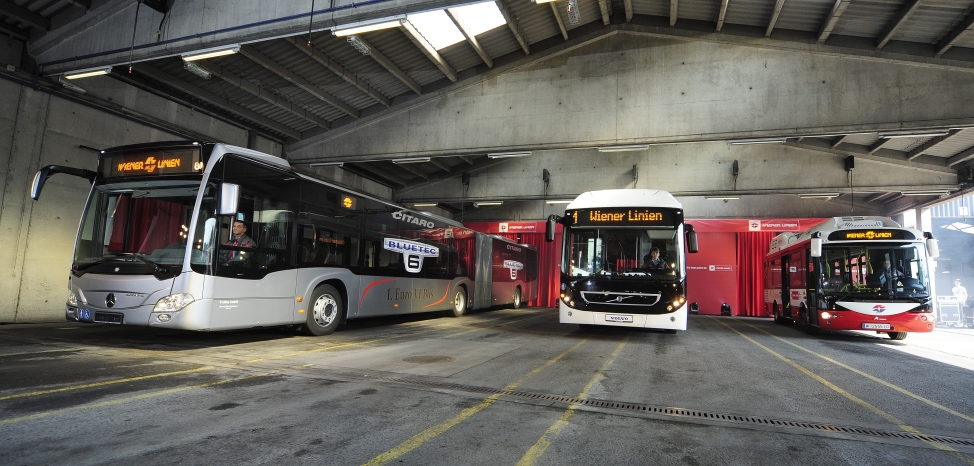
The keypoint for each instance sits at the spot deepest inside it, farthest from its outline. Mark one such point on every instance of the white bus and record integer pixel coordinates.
(608, 272)
(155, 246)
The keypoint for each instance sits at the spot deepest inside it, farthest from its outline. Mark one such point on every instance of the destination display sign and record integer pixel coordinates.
(151, 163)
(870, 235)
(625, 216)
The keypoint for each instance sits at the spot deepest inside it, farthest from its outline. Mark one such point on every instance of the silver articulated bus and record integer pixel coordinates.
(623, 259)
(215, 237)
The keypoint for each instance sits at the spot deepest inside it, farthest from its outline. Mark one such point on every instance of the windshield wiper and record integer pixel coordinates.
(158, 268)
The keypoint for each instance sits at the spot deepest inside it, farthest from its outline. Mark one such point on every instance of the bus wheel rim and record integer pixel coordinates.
(458, 301)
(324, 310)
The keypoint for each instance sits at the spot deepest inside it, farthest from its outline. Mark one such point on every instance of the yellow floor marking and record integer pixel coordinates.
(868, 376)
(29, 353)
(102, 384)
(535, 452)
(428, 434)
(853, 398)
(143, 396)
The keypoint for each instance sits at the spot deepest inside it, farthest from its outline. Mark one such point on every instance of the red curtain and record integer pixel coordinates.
(549, 277)
(154, 224)
(751, 249)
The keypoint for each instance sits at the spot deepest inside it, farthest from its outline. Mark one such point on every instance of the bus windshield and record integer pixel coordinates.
(897, 270)
(149, 221)
(625, 252)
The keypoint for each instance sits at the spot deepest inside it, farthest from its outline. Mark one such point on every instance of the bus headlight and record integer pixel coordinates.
(173, 302)
(72, 298)
(678, 302)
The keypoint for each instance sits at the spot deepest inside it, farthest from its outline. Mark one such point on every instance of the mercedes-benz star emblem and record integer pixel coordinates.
(110, 300)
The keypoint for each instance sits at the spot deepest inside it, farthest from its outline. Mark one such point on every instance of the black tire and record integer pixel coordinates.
(897, 335)
(777, 315)
(459, 302)
(517, 298)
(325, 310)
(807, 325)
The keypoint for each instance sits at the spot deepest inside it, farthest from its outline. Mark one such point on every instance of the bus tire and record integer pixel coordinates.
(807, 324)
(325, 311)
(459, 307)
(897, 335)
(777, 314)
(517, 298)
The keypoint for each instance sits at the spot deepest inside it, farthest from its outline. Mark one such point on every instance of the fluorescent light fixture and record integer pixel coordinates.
(359, 45)
(367, 26)
(486, 203)
(88, 72)
(211, 53)
(507, 155)
(913, 134)
(327, 164)
(738, 142)
(819, 196)
(412, 160)
(543, 1)
(71, 87)
(926, 193)
(479, 17)
(437, 28)
(721, 198)
(425, 204)
(624, 148)
(558, 202)
(195, 69)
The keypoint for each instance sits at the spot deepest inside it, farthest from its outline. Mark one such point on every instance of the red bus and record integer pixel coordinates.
(852, 273)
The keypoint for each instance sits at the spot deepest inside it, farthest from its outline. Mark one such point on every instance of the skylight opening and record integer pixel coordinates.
(480, 17)
(437, 28)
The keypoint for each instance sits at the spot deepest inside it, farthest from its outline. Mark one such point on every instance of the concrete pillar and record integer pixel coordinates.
(30, 121)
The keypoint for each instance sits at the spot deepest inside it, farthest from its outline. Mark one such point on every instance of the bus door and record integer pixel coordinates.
(812, 285)
(785, 289)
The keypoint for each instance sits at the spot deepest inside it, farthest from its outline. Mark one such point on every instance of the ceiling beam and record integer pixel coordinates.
(839, 140)
(931, 144)
(627, 4)
(397, 177)
(264, 94)
(513, 25)
(774, 17)
(391, 67)
(722, 14)
(84, 4)
(293, 78)
(424, 46)
(375, 175)
(19, 13)
(440, 165)
(674, 7)
(837, 10)
(324, 60)
(561, 24)
(877, 196)
(471, 39)
(878, 145)
(961, 157)
(605, 8)
(12, 32)
(900, 19)
(216, 100)
(963, 28)
(414, 171)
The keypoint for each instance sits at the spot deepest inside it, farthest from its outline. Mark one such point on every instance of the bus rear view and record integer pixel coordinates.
(623, 260)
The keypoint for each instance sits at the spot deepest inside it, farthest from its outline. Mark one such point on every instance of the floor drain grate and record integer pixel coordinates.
(694, 414)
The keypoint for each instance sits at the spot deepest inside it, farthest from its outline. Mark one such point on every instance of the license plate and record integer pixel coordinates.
(876, 327)
(617, 318)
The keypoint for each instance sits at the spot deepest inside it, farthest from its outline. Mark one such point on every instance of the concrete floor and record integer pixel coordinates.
(499, 387)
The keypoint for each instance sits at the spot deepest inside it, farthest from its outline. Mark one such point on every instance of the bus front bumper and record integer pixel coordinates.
(676, 320)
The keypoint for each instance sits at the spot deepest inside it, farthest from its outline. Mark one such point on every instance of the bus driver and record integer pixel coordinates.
(239, 239)
(654, 261)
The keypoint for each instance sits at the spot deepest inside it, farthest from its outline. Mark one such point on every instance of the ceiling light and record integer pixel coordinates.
(507, 155)
(195, 69)
(926, 193)
(479, 17)
(327, 164)
(486, 203)
(913, 134)
(543, 1)
(437, 28)
(623, 148)
(558, 202)
(737, 142)
(819, 196)
(412, 160)
(85, 73)
(425, 204)
(574, 16)
(71, 87)
(359, 45)
(367, 26)
(211, 53)
(721, 198)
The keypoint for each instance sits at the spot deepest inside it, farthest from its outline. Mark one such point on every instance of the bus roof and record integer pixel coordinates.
(784, 240)
(624, 198)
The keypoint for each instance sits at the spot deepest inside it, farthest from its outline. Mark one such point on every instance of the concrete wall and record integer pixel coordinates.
(628, 88)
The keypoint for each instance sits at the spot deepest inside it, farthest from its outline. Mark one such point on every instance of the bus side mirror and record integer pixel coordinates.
(549, 228)
(933, 248)
(816, 247)
(229, 198)
(39, 178)
(692, 245)
(44, 173)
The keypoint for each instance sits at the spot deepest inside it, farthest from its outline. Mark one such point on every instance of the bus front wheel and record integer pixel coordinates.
(897, 335)
(459, 302)
(807, 324)
(517, 298)
(325, 311)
